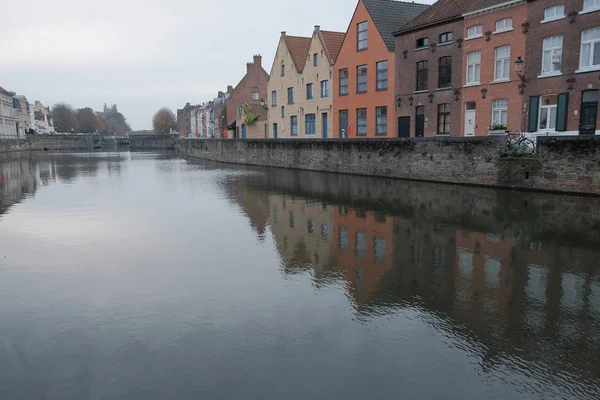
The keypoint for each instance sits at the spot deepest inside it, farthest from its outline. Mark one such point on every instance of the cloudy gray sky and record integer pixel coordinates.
(145, 54)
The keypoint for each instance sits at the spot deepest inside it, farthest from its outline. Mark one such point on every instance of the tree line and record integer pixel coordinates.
(86, 120)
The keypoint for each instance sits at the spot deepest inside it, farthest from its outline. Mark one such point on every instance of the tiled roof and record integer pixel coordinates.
(390, 16)
(298, 47)
(444, 10)
(332, 43)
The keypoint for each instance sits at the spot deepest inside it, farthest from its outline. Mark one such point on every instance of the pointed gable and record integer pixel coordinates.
(332, 43)
(298, 47)
(391, 15)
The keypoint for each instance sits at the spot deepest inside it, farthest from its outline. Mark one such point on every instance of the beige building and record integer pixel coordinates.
(24, 114)
(252, 118)
(300, 85)
(8, 116)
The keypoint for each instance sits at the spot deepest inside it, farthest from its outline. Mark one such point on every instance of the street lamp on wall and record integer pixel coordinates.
(519, 70)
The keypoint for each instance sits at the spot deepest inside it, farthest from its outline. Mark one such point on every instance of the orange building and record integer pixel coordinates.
(364, 99)
(363, 248)
(494, 38)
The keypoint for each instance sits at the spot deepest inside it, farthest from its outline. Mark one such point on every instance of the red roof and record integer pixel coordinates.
(298, 47)
(332, 43)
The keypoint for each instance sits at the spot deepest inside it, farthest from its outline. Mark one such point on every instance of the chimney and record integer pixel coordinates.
(229, 89)
(282, 33)
(249, 67)
(220, 94)
(317, 28)
(258, 60)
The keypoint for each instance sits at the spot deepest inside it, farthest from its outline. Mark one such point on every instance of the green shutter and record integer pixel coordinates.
(534, 105)
(562, 112)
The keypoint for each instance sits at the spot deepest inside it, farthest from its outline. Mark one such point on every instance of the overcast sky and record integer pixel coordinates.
(145, 54)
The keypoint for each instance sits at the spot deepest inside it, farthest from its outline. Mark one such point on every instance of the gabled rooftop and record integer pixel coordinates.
(298, 47)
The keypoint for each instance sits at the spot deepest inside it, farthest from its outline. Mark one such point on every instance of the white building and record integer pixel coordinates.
(43, 119)
(8, 116)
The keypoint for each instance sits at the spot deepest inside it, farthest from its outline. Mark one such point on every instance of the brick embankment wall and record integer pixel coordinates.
(150, 142)
(48, 142)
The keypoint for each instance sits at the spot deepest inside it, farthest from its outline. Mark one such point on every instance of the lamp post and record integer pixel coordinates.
(519, 70)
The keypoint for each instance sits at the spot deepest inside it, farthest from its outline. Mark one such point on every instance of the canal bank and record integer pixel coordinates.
(49, 142)
(562, 165)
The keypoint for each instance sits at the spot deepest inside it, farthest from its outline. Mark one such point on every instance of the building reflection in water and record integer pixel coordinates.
(516, 294)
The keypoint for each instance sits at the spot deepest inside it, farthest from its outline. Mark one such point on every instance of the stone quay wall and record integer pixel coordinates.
(153, 142)
(561, 164)
(48, 142)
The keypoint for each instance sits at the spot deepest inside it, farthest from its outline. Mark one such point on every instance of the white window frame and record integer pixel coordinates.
(471, 78)
(549, 109)
(476, 34)
(505, 27)
(500, 112)
(592, 43)
(555, 17)
(592, 5)
(505, 63)
(549, 51)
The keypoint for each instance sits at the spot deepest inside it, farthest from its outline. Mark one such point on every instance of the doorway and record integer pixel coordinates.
(243, 131)
(470, 115)
(420, 121)
(275, 132)
(403, 126)
(589, 112)
(343, 124)
(324, 120)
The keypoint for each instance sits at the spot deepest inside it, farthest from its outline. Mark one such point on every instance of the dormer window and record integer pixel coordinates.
(553, 13)
(422, 43)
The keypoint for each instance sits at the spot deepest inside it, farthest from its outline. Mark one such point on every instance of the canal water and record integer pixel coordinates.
(149, 276)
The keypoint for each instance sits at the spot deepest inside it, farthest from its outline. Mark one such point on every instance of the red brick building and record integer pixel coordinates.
(562, 67)
(428, 98)
(252, 89)
(493, 39)
(363, 100)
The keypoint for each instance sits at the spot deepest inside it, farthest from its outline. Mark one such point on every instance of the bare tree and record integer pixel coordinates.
(164, 120)
(64, 118)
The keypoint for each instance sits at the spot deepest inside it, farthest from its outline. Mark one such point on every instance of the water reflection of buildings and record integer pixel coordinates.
(518, 296)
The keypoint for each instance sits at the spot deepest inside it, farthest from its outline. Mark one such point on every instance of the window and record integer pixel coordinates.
(446, 37)
(554, 12)
(292, 220)
(475, 31)
(548, 112)
(310, 124)
(422, 43)
(502, 64)
(361, 213)
(343, 82)
(590, 48)
(361, 245)
(316, 60)
(422, 75)
(500, 112)
(282, 69)
(309, 91)
(294, 125)
(310, 225)
(362, 36)
(361, 122)
(325, 230)
(361, 73)
(591, 5)
(504, 25)
(324, 89)
(443, 119)
(379, 248)
(382, 75)
(473, 67)
(343, 240)
(255, 95)
(552, 54)
(291, 95)
(445, 78)
(274, 98)
(381, 121)
(282, 111)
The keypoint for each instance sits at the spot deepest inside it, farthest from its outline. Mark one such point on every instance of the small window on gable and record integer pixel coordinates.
(504, 24)
(446, 37)
(422, 43)
(554, 12)
(475, 31)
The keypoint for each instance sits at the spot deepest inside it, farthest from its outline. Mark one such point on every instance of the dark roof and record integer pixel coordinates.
(390, 16)
(298, 47)
(447, 10)
(332, 43)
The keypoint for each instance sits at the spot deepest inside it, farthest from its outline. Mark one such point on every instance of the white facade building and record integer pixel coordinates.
(43, 119)
(8, 116)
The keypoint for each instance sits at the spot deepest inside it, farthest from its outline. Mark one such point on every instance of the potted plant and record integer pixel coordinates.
(497, 129)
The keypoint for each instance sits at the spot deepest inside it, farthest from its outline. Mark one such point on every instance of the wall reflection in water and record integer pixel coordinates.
(517, 272)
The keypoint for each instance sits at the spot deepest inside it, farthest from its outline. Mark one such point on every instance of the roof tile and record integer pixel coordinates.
(332, 43)
(298, 47)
